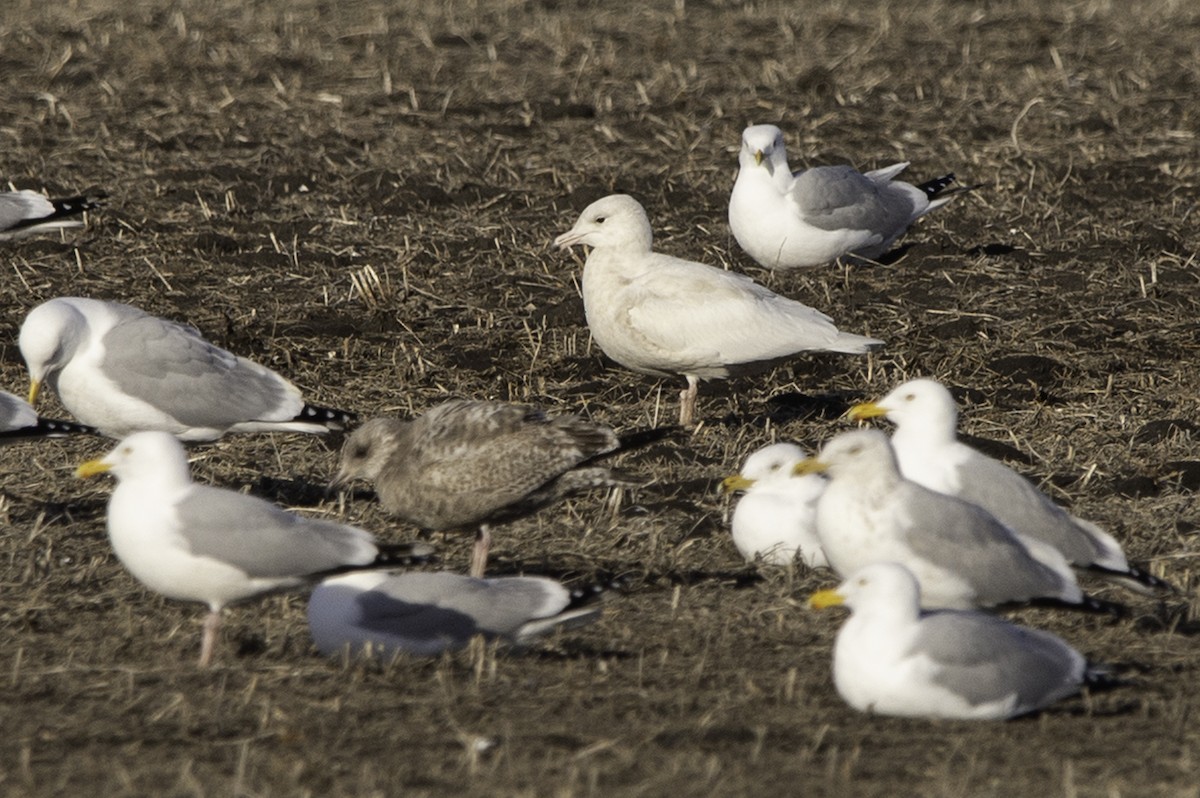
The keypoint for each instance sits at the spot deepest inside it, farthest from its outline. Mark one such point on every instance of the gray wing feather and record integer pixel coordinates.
(15, 413)
(172, 368)
(840, 197)
(969, 541)
(985, 659)
(1022, 507)
(496, 606)
(266, 541)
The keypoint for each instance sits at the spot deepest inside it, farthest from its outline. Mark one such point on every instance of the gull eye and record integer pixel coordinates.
(127, 450)
(775, 466)
(600, 219)
(910, 397)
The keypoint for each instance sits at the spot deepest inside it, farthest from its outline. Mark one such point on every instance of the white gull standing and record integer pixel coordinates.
(776, 518)
(383, 613)
(790, 221)
(23, 213)
(121, 370)
(960, 554)
(890, 658)
(661, 315)
(930, 454)
(195, 542)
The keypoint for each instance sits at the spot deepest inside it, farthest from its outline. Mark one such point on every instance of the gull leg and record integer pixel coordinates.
(479, 554)
(211, 623)
(687, 402)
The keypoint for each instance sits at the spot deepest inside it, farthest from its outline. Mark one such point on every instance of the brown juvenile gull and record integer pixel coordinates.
(23, 213)
(930, 454)
(194, 542)
(789, 221)
(384, 613)
(661, 315)
(19, 421)
(121, 370)
(467, 464)
(960, 554)
(891, 658)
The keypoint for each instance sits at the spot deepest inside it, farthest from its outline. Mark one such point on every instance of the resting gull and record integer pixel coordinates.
(383, 613)
(789, 221)
(24, 213)
(19, 421)
(467, 464)
(960, 554)
(777, 516)
(660, 315)
(121, 370)
(195, 542)
(930, 454)
(891, 658)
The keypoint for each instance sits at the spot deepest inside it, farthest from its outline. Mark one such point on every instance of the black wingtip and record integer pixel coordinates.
(1099, 676)
(933, 188)
(1138, 577)
(328, 417)
(644, 437)
(404, 554)
(69, 206)
(48, 428)
(587, 594)
(1086, 604)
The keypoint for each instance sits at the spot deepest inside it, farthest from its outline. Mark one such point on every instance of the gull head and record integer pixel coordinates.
(617, 221)
(883, 584)
(922, 404)
(49, 337)
(763, 143)
(368, 449)
(858, 455)
(773, 463)
(152, 455)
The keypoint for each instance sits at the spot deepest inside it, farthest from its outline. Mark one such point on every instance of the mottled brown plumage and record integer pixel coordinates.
(468, 464)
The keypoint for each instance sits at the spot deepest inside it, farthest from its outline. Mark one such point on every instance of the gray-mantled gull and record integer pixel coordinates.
(960, 554)
(467, 464)
(19, 421)
(661, 315)
(24, 213)
(121, 370)
(789, 221)
(891, 658)
(777, 516)
(930, 454)
(382, 614)
(194, 542)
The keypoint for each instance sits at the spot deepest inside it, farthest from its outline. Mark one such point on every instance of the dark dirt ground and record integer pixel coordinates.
(362, 195)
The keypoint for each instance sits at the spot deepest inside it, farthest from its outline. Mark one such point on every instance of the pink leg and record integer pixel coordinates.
(687, 402)
(479, 554)
(211, 624)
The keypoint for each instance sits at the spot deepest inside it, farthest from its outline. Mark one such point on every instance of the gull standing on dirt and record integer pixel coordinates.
(790, 221)
(384, 613)
(891, 658)
(930, 454)
(121, 370)
(467, 464)
(23, 213)
(777, 516)
(661, 315)
(960, 554)
(19, 421)
(194, 542)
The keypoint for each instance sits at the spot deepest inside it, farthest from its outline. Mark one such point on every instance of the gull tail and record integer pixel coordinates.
(47, 428)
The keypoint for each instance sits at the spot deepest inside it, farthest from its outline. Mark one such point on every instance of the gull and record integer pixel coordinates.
(467, 464)
(790, 221)
(960, 554)
(193, 542)
(384, 613)
(23, 213)
(121, 370)
(777, 516)
(930, 454)
(661, 315)
(19, 421)
(891, 658)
